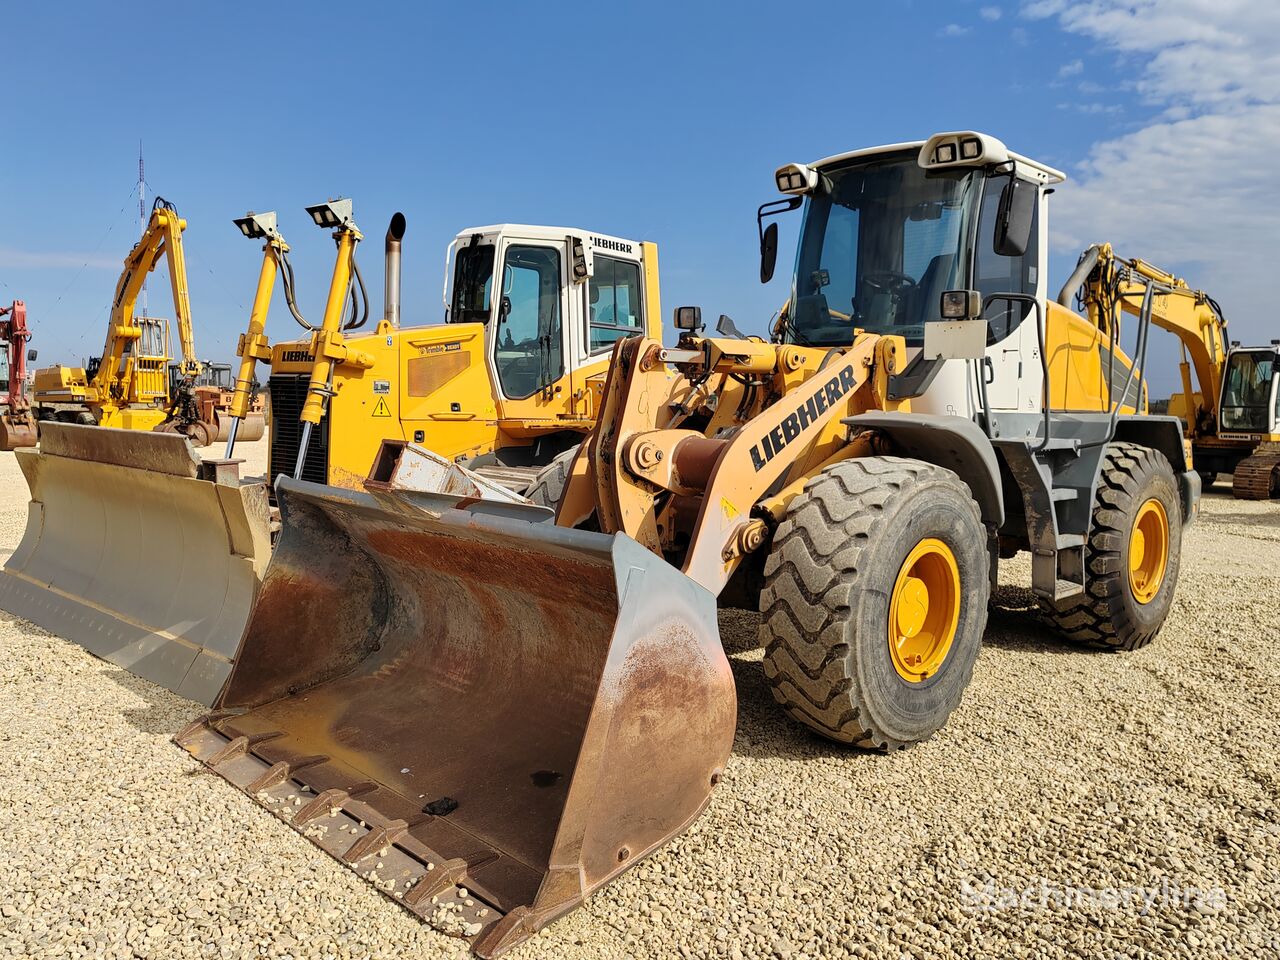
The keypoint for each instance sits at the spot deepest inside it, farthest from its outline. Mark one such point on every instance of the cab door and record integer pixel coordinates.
(527, 346)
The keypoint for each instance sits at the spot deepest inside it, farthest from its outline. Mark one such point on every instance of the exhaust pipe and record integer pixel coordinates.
(391, 297)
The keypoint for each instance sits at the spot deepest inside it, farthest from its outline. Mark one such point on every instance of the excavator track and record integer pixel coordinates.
(1256, 477)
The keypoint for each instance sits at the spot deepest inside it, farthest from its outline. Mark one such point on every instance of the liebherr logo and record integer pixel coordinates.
(795, 423)
(295, 356)
(600, 243)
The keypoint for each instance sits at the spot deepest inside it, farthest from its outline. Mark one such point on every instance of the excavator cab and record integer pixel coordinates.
(1251, 392)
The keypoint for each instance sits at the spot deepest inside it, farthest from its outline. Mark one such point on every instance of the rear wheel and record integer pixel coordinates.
(875, 601)
(1132, 555)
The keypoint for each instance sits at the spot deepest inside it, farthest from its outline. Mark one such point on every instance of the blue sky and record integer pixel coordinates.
(659, 121)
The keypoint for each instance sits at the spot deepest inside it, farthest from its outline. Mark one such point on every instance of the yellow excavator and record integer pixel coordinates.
(495, 708)
(1231, 411)
(509, 381)
(128, 386)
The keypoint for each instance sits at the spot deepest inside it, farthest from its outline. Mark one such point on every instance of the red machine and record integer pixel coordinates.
(17, 424)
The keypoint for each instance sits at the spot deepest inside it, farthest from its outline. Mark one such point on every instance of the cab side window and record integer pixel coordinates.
(616, 309)
(996, 274)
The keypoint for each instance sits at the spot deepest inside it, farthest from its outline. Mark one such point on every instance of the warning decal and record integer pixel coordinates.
(381, 409)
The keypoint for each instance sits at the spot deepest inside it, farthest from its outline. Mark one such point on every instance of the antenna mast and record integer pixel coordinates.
(142, 218)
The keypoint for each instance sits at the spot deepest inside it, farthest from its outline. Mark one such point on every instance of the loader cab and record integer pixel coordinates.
(553, 302)
(886, 231)
(1250, 406)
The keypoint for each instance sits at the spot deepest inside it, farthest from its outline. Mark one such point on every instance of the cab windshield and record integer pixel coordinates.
(1246, 396)
(879, 248)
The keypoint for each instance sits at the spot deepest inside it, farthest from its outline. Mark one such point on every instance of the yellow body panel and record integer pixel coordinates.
(1080, 368)
(428, 385)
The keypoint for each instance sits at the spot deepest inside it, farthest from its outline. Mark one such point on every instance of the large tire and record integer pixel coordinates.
(1110, 614)
(548, 486)
(830, 581)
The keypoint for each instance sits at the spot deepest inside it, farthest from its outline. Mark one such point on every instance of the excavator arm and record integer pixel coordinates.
(163, 237)
(1116, 285)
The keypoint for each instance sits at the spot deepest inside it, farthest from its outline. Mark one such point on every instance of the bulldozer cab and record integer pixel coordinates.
(1251, 393)
(553, 301)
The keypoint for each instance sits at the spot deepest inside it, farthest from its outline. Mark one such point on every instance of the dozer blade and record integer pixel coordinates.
(129, 554)
(487, 715)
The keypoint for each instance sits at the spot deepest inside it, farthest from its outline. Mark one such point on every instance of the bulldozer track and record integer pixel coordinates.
(1255, 477)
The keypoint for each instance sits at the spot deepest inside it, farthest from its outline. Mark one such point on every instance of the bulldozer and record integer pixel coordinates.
(17, 422)
(511, 379)
(127, 387)
(1231, 409)
(492, 709)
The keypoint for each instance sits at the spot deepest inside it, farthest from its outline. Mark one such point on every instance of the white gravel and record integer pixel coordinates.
(1065, 772)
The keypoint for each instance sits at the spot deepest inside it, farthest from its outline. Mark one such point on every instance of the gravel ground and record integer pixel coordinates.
(1067, 781)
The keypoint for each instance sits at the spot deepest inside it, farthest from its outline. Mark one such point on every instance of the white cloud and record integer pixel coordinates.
(953, 30)
(1192, 190)
(990, 13)
(32, 260)
(1071, 69)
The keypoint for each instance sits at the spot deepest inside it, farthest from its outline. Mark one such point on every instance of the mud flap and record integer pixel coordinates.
(129, 554)
(487, 715)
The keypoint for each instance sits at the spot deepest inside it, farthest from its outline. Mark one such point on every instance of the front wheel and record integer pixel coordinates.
(1132, 555)
(875, 601)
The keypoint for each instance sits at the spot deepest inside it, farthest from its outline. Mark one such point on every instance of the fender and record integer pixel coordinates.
(951, 442)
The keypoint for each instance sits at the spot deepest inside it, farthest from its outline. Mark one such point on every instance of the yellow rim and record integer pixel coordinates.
(924, 610)
(1148, 551)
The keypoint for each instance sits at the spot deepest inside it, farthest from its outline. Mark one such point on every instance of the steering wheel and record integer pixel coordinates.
(890, 281)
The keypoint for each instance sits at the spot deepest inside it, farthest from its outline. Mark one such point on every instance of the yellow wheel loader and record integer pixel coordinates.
(494, 710)
(512, 378)
(1231, 413)
(127, 387)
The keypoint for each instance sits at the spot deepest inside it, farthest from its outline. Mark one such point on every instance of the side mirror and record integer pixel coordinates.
(31, 356)
(688, 318)
(1014, 216)
(768, 252)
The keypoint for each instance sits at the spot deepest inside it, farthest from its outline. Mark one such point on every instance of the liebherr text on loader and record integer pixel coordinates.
(508, 711)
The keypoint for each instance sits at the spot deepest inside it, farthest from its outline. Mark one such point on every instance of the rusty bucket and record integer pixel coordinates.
(487, 715)
(131, 553)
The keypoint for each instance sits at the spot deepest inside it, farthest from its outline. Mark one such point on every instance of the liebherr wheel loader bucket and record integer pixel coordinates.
(487, 715)
(129, 554)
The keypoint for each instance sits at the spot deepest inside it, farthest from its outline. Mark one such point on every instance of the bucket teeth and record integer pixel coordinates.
(281, 771)
(333, 799)
(242, 745)
(444, 877)
(379, 838)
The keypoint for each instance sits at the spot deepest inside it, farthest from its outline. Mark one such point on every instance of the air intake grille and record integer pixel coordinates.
(288, 393)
